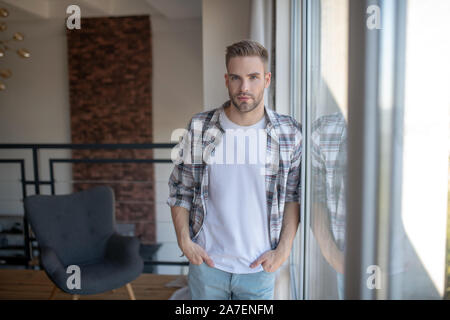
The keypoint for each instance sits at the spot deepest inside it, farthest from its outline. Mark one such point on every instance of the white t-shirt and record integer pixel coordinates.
(236, 228)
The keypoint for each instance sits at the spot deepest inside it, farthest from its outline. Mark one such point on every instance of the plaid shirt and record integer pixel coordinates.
(188, 183)
(329, 158)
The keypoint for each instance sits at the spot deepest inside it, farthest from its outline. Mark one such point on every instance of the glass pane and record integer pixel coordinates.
(418, 227)
(400, 220)
(327, 146)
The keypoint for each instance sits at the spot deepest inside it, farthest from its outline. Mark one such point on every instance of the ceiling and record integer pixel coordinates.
(50, 9)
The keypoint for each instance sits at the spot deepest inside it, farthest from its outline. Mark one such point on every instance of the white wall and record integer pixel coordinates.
(224, 22)
(35, 106)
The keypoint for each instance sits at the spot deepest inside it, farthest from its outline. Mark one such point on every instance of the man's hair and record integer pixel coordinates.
(246, 48)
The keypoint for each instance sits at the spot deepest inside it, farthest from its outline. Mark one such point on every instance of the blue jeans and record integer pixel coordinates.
(206, 283)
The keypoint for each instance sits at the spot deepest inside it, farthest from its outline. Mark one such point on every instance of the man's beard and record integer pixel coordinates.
(244, 106)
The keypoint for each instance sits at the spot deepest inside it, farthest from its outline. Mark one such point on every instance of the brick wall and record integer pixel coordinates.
(110, 67)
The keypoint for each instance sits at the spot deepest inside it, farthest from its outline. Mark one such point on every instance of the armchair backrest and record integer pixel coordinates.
(76, 226)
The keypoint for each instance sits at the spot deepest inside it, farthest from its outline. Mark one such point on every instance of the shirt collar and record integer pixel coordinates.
(272, 123)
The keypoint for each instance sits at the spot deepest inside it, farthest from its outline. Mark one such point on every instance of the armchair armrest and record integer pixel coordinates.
(122, 248)
(50, 261)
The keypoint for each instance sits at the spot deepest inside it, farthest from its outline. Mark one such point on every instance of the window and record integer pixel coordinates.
(375, 165)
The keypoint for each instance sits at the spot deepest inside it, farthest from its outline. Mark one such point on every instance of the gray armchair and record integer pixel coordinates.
(78, 229)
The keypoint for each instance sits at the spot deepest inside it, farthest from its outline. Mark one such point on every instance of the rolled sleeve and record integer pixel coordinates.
(293, 187)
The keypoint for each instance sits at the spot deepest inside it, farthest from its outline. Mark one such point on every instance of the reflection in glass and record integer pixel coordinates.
(327, 149)
(329, 158)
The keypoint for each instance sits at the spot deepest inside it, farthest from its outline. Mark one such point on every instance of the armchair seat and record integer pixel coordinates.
(102, 275)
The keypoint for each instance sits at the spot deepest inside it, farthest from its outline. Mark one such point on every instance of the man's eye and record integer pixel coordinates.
(253, 77)
(234, 78)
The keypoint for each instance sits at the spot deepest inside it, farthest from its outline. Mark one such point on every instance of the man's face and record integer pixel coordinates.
(246, 81)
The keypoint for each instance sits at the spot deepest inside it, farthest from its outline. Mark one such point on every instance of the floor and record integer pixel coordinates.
(34, 284)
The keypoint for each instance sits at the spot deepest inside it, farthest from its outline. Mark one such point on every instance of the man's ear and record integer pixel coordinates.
(226, 79)
(267, 79)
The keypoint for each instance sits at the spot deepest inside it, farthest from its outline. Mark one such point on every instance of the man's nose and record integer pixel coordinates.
(244, 86)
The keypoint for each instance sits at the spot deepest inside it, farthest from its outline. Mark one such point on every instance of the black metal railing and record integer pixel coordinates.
(37, 182)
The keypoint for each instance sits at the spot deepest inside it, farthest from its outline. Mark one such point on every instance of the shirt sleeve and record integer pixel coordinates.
(318, 171)
(293, 187)
(181, 180)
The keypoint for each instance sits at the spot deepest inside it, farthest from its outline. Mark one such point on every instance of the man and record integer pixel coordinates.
(236, 218)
